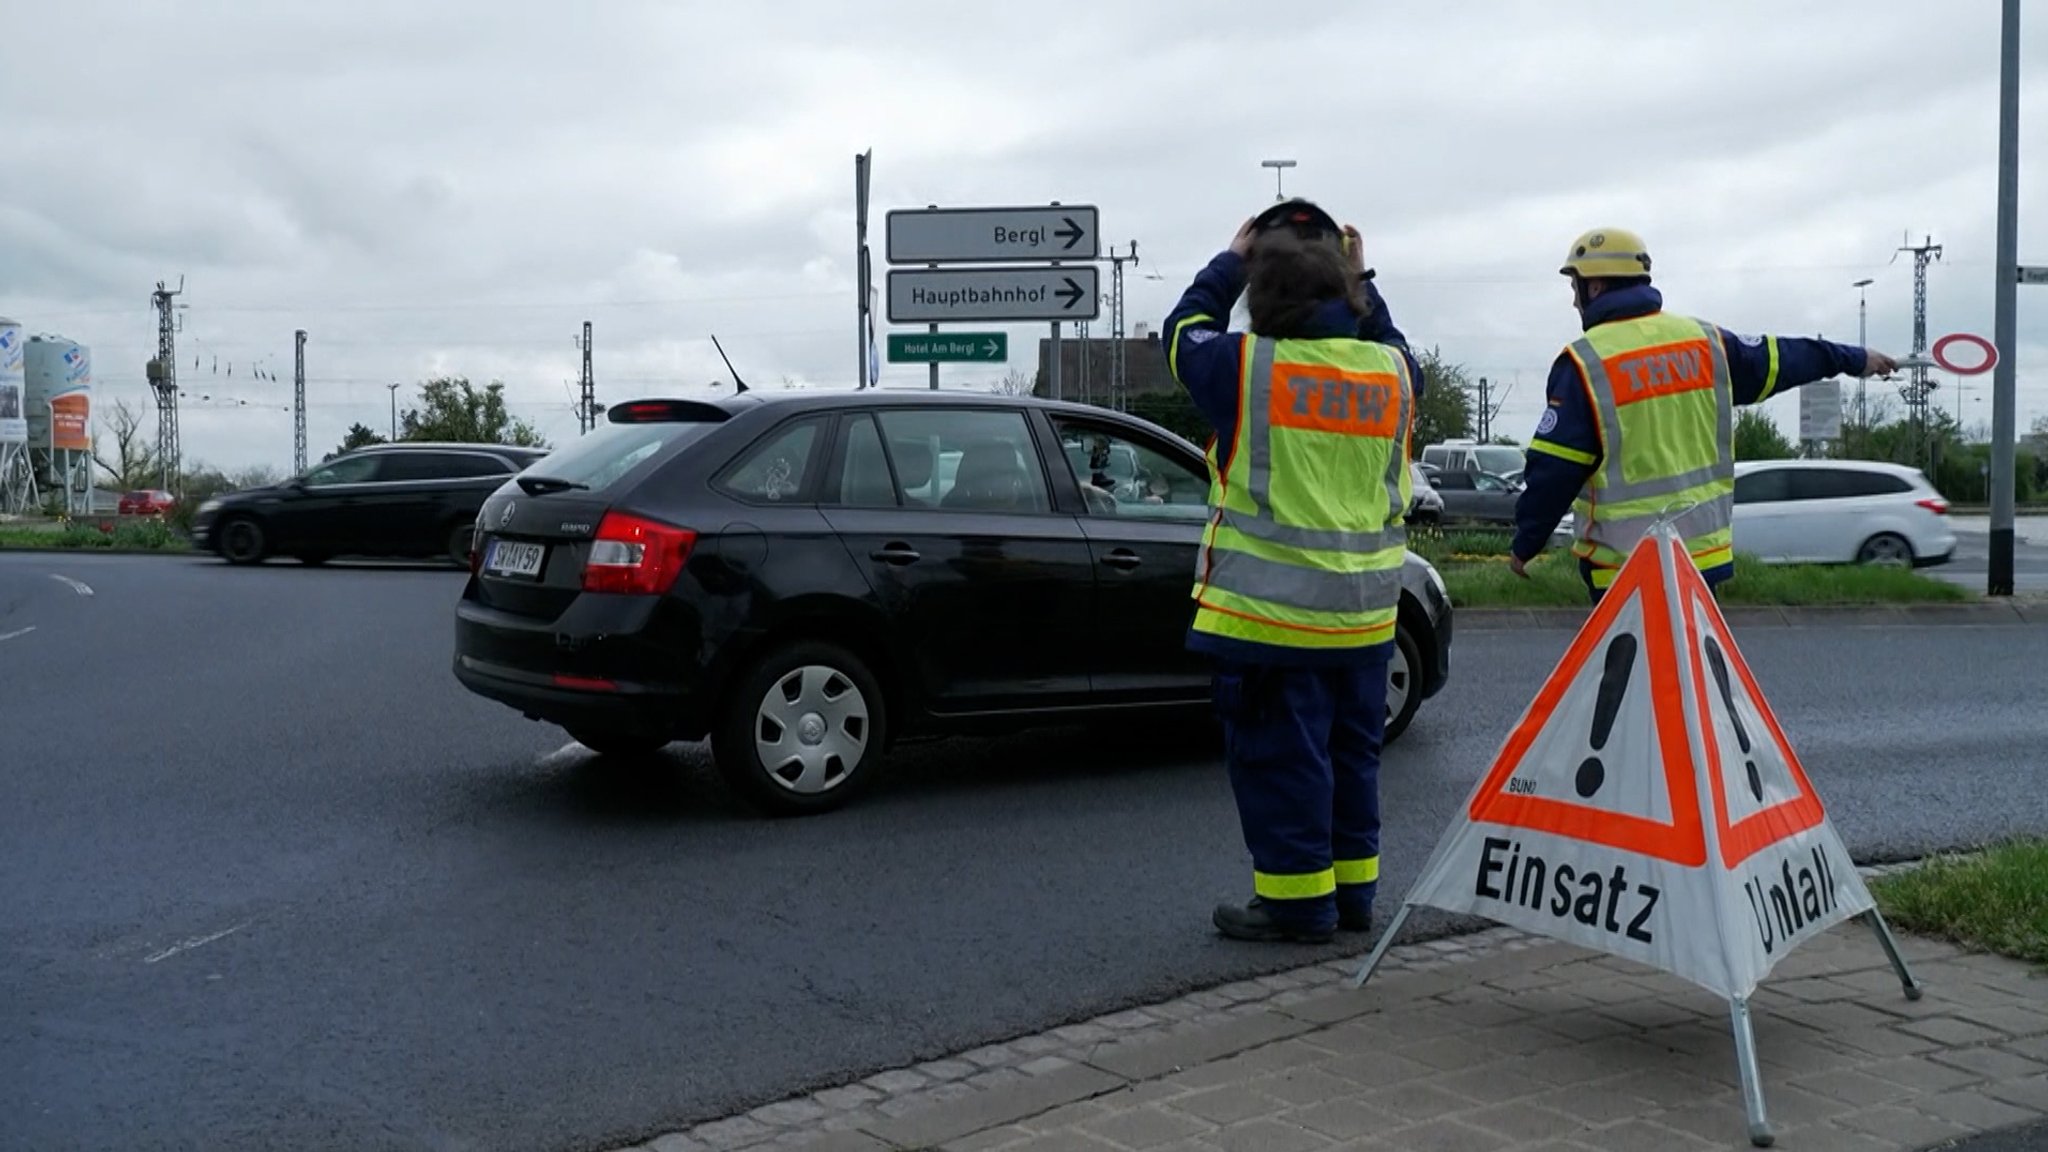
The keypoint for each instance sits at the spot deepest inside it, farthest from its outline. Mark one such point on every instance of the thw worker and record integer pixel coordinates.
(1299, 577)
(1641, 420)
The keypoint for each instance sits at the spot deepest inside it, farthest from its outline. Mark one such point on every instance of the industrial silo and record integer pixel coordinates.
(60, 379)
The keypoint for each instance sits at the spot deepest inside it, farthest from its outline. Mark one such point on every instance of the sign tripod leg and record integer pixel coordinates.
(1875, 919)
(1379, 950)
(1752, 1085)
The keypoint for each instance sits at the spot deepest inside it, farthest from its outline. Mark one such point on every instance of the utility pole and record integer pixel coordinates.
(394, 411)
(586, 403)
(299, 402)
(2004, 388)
(1919, 386)
(864, 276)
(163, 383)
(1081, 338)
(1862, 341)
(1485, 411)
(1119, 378)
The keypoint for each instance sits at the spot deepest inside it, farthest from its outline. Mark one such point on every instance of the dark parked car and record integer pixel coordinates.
(411, 499)
(806, 577)
(1476, 497)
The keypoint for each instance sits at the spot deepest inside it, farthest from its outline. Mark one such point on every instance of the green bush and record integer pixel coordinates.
(152, 534)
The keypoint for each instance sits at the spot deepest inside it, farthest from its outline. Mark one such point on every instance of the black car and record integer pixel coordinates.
(412, 499)
(806, 577)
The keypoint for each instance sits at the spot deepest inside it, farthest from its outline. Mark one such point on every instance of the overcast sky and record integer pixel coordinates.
(454, 187)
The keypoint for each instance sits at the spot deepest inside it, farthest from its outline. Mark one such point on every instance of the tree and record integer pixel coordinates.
(1015, 382)
(359, 435)
(134, 463)
(452, 409)
(1757, 438)
(1445, 410)
(1174, 412)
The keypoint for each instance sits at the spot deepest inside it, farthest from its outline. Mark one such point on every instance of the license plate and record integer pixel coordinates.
(513, 558)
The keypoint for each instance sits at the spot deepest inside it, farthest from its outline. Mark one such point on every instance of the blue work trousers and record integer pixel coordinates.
(1303, 747)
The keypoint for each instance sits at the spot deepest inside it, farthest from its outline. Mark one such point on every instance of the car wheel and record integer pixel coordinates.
(1404, 684)
(620, 744)
(459, 538)
(1886, 548)
(802, 730)
(242, 542)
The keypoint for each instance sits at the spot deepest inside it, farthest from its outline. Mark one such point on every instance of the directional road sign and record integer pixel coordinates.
(2037, 274)
(951, 295)
(994, 235)
(949, 347)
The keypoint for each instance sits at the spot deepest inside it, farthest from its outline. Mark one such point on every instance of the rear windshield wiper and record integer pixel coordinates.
(542, 485)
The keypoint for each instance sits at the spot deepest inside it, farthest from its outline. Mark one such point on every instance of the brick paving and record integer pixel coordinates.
(1494, 1042)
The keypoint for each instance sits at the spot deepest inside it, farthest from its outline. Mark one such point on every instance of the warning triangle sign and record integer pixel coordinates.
(1648, 803)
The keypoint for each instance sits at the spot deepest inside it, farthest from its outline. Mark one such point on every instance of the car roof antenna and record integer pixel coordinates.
(739, 385)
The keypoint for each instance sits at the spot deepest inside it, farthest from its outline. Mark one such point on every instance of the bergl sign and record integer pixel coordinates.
(1649, 806)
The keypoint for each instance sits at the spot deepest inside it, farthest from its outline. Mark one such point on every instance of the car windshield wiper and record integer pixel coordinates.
(542, 485)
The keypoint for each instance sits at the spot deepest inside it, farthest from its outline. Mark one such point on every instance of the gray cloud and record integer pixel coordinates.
(457, 186)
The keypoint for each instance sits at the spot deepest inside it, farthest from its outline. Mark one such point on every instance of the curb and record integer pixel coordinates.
(2002, 611)
(53, 550)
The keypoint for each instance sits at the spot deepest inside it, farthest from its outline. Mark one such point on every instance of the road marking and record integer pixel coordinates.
(570, 751)
(78, 586)
(195, 942)
(17, 632)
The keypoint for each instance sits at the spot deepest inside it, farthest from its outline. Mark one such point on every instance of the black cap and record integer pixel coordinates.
(1301, 215)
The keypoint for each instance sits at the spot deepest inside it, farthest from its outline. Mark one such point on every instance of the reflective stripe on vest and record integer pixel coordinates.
(1295, 553)
(1658, 383)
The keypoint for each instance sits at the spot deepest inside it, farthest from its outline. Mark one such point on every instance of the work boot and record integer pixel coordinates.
(1255, 922)
(1354, 918)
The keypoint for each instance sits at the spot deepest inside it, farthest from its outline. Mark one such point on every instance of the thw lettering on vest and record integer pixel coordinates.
(1669, 370)
(1325, 400)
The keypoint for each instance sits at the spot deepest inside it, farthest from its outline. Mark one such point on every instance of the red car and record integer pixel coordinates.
(146, 502)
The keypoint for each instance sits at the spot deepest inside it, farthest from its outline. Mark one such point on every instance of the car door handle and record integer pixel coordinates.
(1123, 558)
(895, 554)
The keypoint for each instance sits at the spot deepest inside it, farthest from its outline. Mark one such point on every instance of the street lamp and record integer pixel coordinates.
(394, 411)
(1279, 168)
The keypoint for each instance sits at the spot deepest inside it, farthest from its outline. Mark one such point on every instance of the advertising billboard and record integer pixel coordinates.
(13, 406)
(71, 422)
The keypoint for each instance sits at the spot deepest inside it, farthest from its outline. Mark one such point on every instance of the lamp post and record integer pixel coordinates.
(1279, 168)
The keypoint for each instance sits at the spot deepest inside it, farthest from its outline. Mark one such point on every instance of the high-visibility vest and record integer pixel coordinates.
(1666, 408)
(1305, 541)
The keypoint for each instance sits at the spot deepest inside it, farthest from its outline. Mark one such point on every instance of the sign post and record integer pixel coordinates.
(2004, 326)
(954, 284)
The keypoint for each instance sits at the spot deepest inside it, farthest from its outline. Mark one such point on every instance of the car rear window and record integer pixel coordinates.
(609, 451)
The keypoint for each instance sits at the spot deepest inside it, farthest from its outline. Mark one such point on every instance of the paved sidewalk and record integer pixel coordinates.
(1491, 1042)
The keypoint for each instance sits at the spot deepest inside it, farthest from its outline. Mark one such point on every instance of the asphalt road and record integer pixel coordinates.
(1972, 564)
(274, 880)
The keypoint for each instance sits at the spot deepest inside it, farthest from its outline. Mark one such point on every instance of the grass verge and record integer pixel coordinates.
(1474, 567)
(1996, 900)
(98, 535)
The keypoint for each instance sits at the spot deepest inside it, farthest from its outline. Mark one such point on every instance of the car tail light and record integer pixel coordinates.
(1934, 504)
(636, 556)
(585, 683)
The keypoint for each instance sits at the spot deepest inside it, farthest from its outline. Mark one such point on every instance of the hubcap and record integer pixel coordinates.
(241, 540)
(1398, 686)
(811, 729)
(1885, 551)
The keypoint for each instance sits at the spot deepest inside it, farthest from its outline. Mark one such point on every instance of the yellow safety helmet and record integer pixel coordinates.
(1614, 252)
